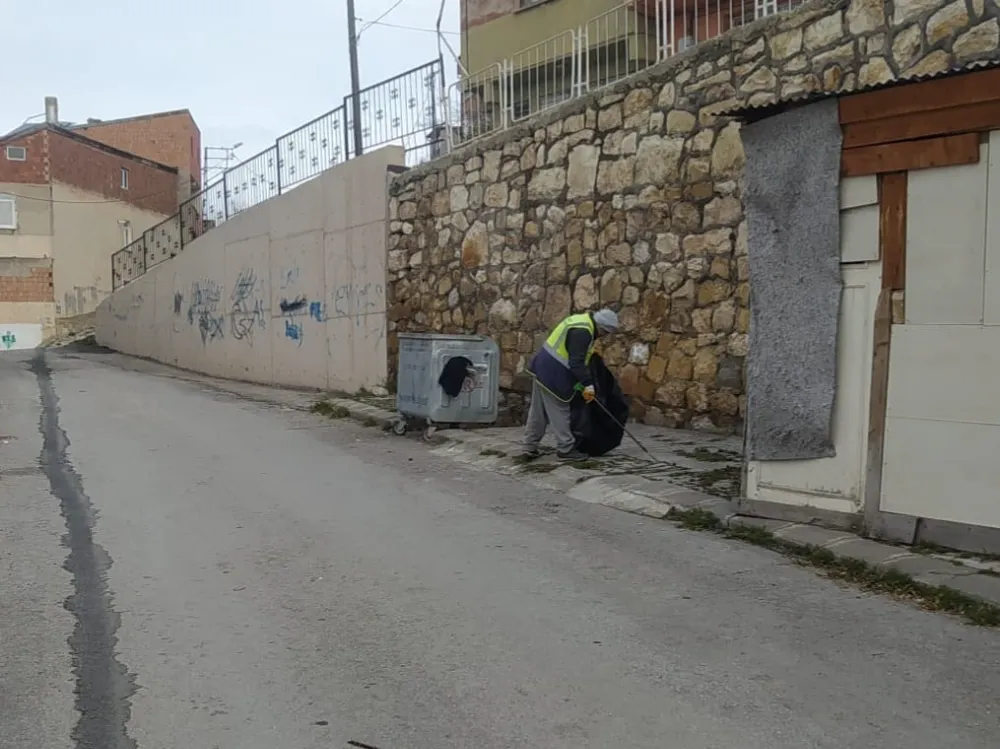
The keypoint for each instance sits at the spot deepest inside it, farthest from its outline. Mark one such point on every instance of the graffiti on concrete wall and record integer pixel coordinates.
(288, 277)
(358, 302)
(296, 312)
(80, 300)
(247, 314)
(121, 309)
(203, 309)
(17, 336)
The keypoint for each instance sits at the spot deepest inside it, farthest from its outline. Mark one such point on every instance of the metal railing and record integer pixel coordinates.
(599, 52)
(543, 75)
(430, 118)
(404, 109)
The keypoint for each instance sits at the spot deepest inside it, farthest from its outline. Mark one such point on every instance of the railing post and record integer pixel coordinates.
(225, 197)
(348, 125)
(277, 163)
(506, 93)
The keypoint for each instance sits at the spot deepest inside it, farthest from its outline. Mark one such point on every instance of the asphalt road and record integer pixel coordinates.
(184, 568)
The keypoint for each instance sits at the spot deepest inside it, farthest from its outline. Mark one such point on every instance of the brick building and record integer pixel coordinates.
(67, 202)
(170, 138)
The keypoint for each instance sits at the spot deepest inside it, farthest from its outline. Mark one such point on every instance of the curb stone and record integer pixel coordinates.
(922, 568)
(364, 412)
(656, 499)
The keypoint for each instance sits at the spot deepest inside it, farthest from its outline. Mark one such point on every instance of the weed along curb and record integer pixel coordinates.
(931, 582)
(346, 408)
(870, 565)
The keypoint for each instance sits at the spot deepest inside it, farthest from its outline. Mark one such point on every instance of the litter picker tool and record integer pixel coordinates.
(622, 427)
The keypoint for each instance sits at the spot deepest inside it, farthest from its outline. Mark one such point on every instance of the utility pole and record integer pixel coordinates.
(352, 48)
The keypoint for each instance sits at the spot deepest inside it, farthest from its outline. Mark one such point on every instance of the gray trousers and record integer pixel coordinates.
(547, 410)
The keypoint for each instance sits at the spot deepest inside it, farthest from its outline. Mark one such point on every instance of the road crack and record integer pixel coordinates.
(104, 687)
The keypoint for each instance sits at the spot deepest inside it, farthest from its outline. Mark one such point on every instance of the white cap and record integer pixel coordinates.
(606, 320)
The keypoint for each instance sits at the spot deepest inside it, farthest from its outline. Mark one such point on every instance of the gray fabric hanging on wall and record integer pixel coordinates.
(792, 200)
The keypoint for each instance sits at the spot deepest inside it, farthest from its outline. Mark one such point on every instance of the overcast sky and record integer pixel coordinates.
(249, 70)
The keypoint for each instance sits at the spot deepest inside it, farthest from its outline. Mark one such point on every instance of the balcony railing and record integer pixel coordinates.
(599, 52)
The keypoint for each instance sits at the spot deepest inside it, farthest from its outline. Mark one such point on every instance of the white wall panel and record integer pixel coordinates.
(946, 244)
(942, 443)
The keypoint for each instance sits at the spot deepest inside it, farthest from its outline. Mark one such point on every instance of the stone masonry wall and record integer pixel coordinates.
(631, 198)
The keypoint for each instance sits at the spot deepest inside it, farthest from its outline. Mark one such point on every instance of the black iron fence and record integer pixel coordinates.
(403, 109)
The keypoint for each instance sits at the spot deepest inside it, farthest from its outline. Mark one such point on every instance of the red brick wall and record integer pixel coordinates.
(476, 12)
(35, 169)
(172, 139)
(90, 167)
(26, 280)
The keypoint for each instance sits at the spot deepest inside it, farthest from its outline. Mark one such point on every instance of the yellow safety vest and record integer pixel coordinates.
(550, 366)
(555, 344)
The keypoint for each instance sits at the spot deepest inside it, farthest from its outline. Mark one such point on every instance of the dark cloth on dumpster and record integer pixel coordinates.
(454, 374)
(596, 433)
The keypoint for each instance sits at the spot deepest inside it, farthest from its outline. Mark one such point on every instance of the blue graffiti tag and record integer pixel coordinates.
(293, 331)
(9, 339)
(316, 311)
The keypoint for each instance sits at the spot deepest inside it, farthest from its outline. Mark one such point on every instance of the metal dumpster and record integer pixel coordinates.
(422, 359)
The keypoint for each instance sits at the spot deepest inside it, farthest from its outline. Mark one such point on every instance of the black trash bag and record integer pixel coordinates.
(454, 375)
(597, 434)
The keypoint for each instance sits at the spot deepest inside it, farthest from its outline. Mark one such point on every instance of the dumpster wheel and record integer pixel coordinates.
(399, 427)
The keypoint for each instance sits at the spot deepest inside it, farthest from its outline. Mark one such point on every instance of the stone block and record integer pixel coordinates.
(547, 184)
(947, 22)
(978, 41)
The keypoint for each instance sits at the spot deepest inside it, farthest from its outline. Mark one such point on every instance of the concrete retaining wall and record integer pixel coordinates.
(290, 292)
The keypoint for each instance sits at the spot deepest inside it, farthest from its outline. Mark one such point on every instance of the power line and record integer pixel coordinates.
(407, 28)
(84, 202)
(372, 23)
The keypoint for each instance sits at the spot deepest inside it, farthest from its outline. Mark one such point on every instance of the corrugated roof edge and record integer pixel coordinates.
(748, 113)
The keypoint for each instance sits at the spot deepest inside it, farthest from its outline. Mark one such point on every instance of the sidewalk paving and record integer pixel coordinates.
(695, 478)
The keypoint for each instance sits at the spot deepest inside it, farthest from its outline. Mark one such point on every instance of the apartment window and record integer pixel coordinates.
(763, 8)
(124, 178)
(17, 153)
(8, 212)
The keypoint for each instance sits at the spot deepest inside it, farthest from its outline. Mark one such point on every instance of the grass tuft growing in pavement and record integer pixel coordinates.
(695, 519)
(925, 547)
(704, 455)
(330, 410)
(856, 571)
(527, 467)
(584, 465)
(727, 476)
